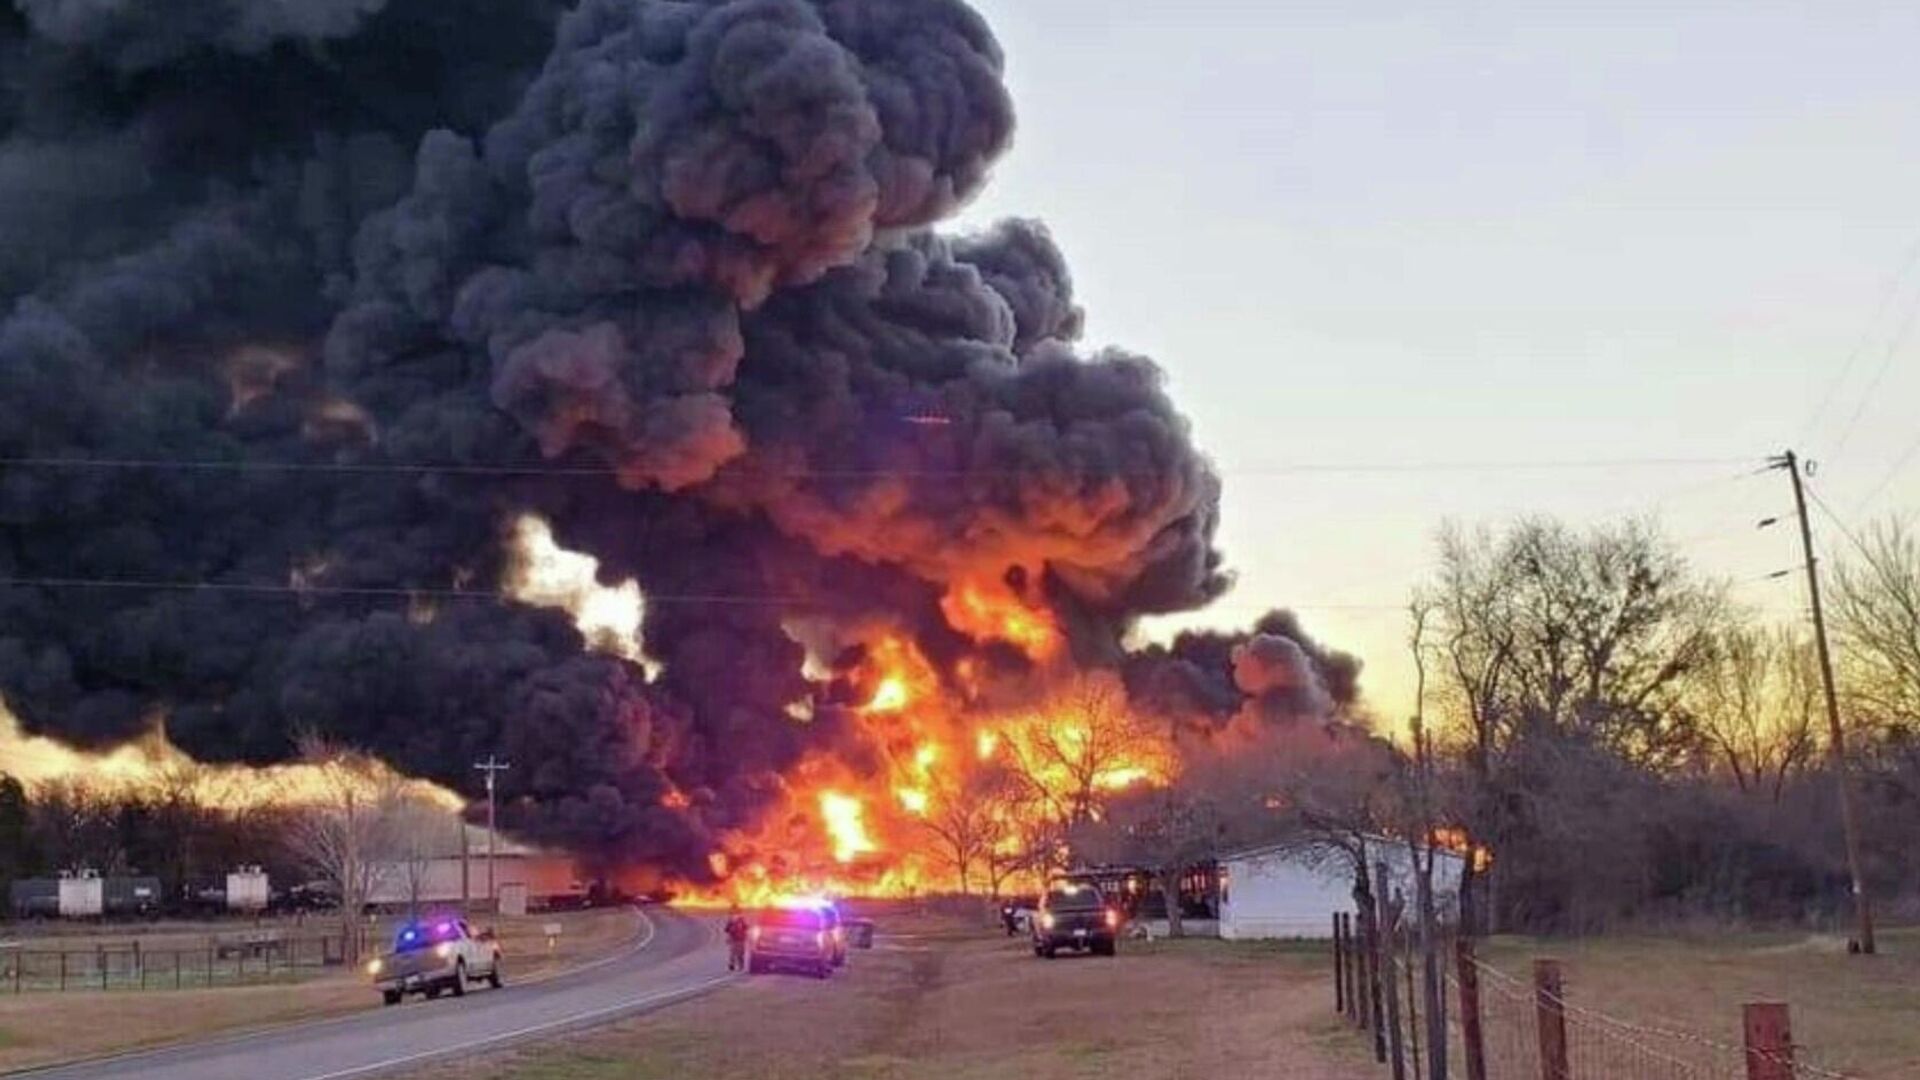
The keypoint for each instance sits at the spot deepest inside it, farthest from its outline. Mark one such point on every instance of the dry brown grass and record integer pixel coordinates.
(43, 1028)
(943, 998)
(1850, 1014)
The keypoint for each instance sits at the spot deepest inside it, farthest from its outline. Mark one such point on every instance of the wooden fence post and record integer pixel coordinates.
(1473, 1038)
(1353, 970)
(1371, 1006)
(1390, 910)
(1413, 1006)
(1769, 1041)
(1339, 968)
(1548, 993)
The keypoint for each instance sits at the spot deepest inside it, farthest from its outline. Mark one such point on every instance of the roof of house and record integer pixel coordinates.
(1256, 851)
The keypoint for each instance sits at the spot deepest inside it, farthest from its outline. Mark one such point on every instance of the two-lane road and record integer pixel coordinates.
(676, 958)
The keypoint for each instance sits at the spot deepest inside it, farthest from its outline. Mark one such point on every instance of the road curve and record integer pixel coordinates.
(677, 958)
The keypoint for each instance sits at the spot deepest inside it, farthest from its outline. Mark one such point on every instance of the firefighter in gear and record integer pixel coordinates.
(736, 939)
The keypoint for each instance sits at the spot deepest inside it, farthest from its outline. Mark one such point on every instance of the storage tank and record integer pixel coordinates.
(82, 894)
(247, 889)
(35, 898)
(131, 895)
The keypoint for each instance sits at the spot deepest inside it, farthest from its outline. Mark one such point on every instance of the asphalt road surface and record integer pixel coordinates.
(675, 958)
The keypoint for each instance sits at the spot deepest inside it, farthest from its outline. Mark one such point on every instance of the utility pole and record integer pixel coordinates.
(1836, 737)
(492, 767)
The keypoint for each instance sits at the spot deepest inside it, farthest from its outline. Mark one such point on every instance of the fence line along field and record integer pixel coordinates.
(301, 968)
(1718, 1006)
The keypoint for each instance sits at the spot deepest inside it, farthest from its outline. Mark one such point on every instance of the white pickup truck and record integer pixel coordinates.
(435, 956)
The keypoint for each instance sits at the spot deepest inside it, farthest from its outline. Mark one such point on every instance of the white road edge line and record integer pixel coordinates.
(303, 1026)
(634, 1005)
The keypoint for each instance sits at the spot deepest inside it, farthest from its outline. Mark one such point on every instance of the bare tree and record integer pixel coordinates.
(1083, 744)
(417, 832)
(1758, 701)
(1167, 829)
(1028, 840)
(1596, 632)
(960, 815)
(1876, 611)
(343, 835)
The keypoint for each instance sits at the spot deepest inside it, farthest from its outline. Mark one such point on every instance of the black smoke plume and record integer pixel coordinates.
(394, 273)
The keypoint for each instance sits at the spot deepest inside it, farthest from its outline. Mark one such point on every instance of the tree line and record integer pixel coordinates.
(1613, 735)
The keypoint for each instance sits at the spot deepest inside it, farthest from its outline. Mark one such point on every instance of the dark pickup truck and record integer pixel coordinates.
(1074, 917)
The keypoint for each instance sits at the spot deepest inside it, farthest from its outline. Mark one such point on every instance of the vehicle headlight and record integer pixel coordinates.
(374, 966)
(1046, 921)
(443, 950)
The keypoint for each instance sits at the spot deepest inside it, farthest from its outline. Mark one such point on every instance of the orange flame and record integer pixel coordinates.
(844, 816)
(994, 613)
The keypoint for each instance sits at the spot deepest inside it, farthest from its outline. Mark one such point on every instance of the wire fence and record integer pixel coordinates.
(1496, 1025)
(134, 966)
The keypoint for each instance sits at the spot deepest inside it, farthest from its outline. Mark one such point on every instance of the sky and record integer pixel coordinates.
(1406, 265)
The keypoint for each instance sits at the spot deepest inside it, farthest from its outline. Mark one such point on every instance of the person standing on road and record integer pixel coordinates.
(736, 939)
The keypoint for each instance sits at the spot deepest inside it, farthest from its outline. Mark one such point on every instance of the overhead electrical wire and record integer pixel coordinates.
(1899, 466)
(465, 469)
(1894, 345)
(1888, 293)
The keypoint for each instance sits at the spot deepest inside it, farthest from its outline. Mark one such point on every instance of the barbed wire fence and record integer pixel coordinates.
(1500, 1026)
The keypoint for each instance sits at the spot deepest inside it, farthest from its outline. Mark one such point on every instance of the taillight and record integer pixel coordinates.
(753, 933)
(820, 940)
(1113, 919)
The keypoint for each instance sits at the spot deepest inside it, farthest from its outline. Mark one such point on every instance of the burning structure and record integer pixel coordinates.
(328, 326)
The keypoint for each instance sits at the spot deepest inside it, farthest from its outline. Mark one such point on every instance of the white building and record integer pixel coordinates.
(542, 878)
(1278, 892)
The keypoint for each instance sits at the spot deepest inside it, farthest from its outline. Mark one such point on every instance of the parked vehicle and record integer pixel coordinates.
(1015, 911)
(795, 938)
(1075, 917)
(434, 957)
(860, 933)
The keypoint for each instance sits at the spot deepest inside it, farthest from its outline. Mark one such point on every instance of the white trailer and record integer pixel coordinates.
(82, 894)
(247, 889)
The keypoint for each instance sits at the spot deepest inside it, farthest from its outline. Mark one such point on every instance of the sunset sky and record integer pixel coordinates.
(1499, 240)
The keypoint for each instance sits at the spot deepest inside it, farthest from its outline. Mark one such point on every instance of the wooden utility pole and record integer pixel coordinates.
(492, 767)
(1836, 736)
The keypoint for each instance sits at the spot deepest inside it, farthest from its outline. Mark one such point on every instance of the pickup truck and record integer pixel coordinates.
(1074, 917)
(431, 957)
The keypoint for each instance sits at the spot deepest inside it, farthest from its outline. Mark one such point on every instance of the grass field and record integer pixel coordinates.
(42, 1028)
(945, 998)
(1851, 1014)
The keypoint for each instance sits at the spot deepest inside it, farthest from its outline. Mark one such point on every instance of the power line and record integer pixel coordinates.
(266, 589)
(359, 592)
(1899, 466)
(1887, 294)
(1886, 364)
(1852, 537)
(468, 469)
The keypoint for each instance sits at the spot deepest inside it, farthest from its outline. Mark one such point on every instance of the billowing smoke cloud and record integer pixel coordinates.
(1276, 672)
(660, 271)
